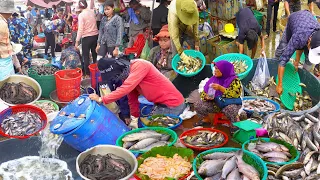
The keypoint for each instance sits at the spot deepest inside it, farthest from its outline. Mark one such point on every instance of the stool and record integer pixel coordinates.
(220, 118)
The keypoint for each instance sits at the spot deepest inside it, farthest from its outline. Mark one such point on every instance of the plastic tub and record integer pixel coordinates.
(22, 78)
(23, 108)
(293, 151)
(68, 84)
(231, 57)
(145, 106)
(169, 115)
(105, 149)
(161, 130)
(312, 83)
(277, 105)
(194, 131)
(47, 82)
(192, 53)
(248, 157)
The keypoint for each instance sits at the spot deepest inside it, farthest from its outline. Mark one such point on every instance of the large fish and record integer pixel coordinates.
(211, 167)
(218, 155)
(246, 169)
(229, 166)
(140, 136)
(143, 144)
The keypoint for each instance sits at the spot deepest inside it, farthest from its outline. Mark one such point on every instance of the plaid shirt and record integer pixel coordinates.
(5, 46)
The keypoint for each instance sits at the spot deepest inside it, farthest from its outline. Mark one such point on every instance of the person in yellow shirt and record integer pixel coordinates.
(183, 21)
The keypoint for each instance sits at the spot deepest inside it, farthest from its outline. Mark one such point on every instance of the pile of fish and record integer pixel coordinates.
(239, 66)
(303, 132)
(204, 139)
(164, 121)
(270, 151)
(162, 167)
(258, 105)
(45, 70)
(145, 140)
(107, 167)
(303, 102)
(47, 107)
(189, 65)
(17, 93)
(229, 166)
(22, 123)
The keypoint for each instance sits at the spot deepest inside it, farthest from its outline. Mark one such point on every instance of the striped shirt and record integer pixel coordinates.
(5, 45)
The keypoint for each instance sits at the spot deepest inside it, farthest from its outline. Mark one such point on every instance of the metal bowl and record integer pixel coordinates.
(21, 78)
(54, 98)
(105, 149)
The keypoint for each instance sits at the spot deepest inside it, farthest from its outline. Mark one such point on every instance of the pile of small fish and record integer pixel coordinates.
(45, 70)
(189, 65)
(22, 123)
(107, 167)
(164, 121)
(17, 93)
(145, 140)
(162, 167)
(303, 102)
(204, 139)
(303, 132)
(229, 166)
(270, 151)
(258, 105)
(239, 66)
(47, 107)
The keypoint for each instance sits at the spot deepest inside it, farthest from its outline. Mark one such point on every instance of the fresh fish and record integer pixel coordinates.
(47, 107)
(286, 167)
(292, 173)
(258, 105)
(215, 177)
(211, 167)
(276, 154)
(218, 155)
(189, 65)
(246, 169)
(268, 147)
(274, 159)
(234, 174)
(162, 121)
(128, 144)
(140, 136)
(204, 139)
(165, 137)
(44, 70)
(240, 66)
(228, 167)
(307, 167)
(143, 144)
(17, 93)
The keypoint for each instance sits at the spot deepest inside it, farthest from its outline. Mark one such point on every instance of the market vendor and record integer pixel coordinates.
(70, 55)
(291, 6)
(183, 21)
(142, 78)
(249, 30)
(161, 56)
(302, 34)
(224, 83)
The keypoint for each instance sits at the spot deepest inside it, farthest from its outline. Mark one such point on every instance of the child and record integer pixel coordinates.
(70, 56)
(162, 55)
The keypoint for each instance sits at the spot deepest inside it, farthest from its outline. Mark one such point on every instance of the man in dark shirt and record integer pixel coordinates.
(291, 6)
(249, 30)
(301, 34)
(159, 18)
(272, 4)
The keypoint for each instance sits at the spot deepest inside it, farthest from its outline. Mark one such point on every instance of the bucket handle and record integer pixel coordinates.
(143, 108)
(33, 72)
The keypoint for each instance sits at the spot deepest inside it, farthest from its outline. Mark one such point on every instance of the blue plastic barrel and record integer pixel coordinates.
(85, 123)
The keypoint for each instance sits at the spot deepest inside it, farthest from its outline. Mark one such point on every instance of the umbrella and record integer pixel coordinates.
(48, 3)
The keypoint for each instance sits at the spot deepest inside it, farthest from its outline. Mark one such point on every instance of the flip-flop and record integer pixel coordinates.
(201, 123)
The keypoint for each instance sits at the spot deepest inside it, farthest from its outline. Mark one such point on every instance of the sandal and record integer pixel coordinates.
(201, 123)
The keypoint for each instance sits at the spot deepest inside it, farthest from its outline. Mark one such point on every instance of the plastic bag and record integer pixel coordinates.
(113, 107)
(145, 51)
(262, 75)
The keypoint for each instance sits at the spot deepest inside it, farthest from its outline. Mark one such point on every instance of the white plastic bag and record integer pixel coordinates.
(262, 75)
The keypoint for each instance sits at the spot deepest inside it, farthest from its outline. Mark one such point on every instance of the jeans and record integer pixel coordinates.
(275, 7)
(50, 41)
(163, 109)
(89, 43)
(123, 102)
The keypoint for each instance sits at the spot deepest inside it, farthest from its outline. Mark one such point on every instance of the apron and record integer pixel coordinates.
(6, 67)
(105, 90)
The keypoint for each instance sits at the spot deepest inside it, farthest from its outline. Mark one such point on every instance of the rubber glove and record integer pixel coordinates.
(134, 122)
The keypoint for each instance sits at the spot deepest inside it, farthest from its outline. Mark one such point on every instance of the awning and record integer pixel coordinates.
(48, 3)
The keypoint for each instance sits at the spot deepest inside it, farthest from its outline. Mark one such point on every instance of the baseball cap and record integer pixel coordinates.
(314, 52)
(111, 67)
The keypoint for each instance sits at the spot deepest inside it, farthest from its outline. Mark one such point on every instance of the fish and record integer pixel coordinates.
(145, 140)
(189, 65)
(258, 105)
(240, 66)
(47, 107)
(229, 166)
(17, 93)
(204, 139)
(215, 177)
(44, 70)
(107, 166)
(162, 121)
(21, 124)
(276, 154)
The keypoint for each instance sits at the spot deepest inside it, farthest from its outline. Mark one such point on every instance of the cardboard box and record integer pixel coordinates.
(221, 45)
(224, 9)
(257, 4)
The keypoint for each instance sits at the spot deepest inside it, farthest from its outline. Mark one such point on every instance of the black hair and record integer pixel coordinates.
(109, 3)
(252, 38)
(134, 2)
(83, 4)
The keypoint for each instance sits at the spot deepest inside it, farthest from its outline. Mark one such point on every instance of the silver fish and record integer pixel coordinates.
(218, 155)
(228, 167)
(246, 169)
(215, 177)
(143, 144)
(140, 136)
(211, 167)
(234, 174)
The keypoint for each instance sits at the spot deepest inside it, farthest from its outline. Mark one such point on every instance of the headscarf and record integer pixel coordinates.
(228, 75)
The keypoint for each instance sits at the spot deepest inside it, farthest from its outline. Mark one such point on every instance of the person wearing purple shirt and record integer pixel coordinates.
(302, 33)
(275, 5)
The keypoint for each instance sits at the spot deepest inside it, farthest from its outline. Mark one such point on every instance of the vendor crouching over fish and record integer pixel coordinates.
(225, 84)
(161, 56)
(140, 77)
